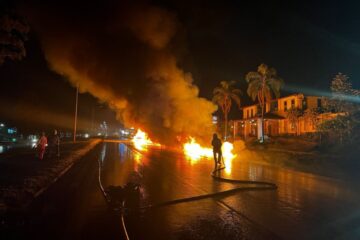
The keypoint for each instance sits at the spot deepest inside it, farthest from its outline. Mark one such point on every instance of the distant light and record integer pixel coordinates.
(2, 125)
(86, 135)
(14, 139)
(99, 134)
(214, 119)
(34, 140)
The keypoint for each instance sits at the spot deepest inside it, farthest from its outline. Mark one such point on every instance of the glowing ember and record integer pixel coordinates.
(141, 140)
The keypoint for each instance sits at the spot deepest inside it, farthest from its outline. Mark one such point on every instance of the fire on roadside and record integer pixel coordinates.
(141, 141)
(194, 151)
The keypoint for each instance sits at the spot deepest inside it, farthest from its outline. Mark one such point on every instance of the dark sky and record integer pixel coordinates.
(308, 43)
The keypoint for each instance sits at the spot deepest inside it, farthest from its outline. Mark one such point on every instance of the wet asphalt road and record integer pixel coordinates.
(305, 206)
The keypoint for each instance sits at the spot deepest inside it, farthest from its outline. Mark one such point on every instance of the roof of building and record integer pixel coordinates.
(276, 99)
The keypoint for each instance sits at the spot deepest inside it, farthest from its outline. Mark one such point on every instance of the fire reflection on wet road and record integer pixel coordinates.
(305, 206)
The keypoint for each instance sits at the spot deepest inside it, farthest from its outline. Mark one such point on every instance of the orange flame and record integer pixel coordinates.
(194, 151)
(228, 156)
(141, 141)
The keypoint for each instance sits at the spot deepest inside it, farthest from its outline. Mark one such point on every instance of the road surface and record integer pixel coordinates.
(304, 206)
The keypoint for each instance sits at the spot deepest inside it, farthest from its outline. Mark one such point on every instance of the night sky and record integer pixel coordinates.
(308, 43)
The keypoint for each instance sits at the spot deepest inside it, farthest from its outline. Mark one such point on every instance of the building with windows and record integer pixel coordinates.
(276, 117)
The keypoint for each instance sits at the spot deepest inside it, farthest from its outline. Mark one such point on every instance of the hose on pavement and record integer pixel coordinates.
(216, 175)
(255, 185)
(108, 201)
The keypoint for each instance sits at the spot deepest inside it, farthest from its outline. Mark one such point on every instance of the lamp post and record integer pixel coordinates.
(76, 111)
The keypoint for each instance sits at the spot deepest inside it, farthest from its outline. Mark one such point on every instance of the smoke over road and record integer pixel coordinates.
(123, 54)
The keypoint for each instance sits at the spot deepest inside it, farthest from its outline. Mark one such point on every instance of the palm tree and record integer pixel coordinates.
(261, 85)
(223, 96)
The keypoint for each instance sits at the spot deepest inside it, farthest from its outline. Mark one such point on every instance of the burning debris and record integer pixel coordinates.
(194, 151)
(141, 141)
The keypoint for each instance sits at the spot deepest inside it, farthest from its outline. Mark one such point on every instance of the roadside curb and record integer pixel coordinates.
(71, 160)
(82, 153)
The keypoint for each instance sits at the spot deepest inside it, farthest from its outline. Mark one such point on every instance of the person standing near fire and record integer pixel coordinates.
(216, 143)
(41, 145)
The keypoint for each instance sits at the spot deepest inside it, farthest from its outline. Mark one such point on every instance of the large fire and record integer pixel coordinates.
(194, 151)
(141, 141)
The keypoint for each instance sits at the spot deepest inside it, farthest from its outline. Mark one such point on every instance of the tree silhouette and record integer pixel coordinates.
(261, 85)
(223, 96)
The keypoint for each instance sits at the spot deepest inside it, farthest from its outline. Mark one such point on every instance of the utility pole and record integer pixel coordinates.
(76, 111)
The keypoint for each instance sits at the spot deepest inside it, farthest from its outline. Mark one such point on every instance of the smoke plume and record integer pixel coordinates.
(123, 54)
